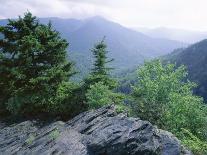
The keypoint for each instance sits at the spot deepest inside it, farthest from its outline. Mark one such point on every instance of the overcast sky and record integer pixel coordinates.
(185, 14)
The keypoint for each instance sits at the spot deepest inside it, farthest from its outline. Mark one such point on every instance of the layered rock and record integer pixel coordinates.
(96, 132)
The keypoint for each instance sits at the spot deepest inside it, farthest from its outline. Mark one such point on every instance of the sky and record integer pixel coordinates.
(181, 14)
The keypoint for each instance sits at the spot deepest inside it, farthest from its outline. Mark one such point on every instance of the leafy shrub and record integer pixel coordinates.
(152, 91)
(99, 95)
(186, 111)
(198, 146)
(163, 96)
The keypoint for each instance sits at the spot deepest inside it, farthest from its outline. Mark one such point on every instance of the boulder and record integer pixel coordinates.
(95, 132)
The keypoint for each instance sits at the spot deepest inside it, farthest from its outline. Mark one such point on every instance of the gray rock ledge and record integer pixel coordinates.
(96, 132)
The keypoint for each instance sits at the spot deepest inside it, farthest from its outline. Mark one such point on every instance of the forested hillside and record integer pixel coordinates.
(195, 59)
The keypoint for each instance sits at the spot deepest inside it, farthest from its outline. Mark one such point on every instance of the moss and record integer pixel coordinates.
(54, 134)
(30, 139)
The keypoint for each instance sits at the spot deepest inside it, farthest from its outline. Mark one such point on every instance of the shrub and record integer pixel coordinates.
(164, 97)
(99, 95)
(198, 146)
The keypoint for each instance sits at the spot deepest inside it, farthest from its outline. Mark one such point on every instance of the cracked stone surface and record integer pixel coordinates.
(95, 132)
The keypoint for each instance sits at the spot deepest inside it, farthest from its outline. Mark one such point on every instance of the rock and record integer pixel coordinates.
(96, 132)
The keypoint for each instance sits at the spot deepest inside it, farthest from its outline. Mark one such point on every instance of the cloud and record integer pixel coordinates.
(187, 14)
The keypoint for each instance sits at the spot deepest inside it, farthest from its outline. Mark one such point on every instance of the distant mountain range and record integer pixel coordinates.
(128, 47)
(195, 59)
(186, 36)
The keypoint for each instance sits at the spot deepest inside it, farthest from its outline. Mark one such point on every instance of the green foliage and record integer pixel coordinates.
(186, 111)
(100, 71)
(193, 58)
(99, 95)
(54, 134)
(198, 146)
(30, 139)
(33, 67)
(99, 52)
(163, 97)
(155, 84)
(99, 85)
(122, 108)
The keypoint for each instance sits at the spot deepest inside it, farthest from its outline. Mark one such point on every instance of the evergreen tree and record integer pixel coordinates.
(100, 71)
(33, 66)
(99, 86)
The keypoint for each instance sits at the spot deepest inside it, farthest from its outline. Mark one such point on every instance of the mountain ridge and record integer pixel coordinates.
(188, 36)
(128, 47)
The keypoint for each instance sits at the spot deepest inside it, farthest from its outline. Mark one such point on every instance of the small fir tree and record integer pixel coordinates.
(101, 71)
(99, 86)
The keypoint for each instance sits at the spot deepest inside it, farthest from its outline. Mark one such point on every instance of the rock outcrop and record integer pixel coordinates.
(98, 132)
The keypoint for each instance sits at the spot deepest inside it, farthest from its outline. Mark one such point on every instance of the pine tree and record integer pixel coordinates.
(99, 86)
(101, 71)
(33, 65)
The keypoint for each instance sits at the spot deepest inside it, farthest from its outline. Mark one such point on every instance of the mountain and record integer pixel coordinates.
(187, 36)
(128, 47)
(195, 59)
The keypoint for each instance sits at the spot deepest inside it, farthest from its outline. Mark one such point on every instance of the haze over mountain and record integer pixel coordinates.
(187, 36)
(128, 47)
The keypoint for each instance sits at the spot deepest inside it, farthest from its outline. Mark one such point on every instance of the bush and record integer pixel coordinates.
(152, 91)
(164, 97)
(99, 95)
(198, 146)
(186, 111)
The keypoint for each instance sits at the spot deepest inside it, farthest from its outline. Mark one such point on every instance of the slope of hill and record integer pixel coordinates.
(174, 34)
(128, 47)
(195, 59)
